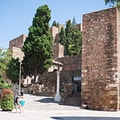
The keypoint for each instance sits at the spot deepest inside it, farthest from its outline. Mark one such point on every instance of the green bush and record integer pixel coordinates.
(7, 100)
(4, 84)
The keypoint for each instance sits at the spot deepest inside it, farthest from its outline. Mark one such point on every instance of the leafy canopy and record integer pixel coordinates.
(12, 70)
(5, 57)
(113, 2)
(4, 84)
(56, 24)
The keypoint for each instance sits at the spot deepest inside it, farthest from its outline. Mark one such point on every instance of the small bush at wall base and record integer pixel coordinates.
(7, 100)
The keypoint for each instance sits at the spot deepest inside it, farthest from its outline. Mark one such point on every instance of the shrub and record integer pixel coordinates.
(4, 84)
(7, 100)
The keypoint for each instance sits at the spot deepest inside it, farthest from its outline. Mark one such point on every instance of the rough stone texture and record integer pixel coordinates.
(54, 32)
(71, 68)
(58, 51)
(101, 59)
(15, 46)
(17, 42)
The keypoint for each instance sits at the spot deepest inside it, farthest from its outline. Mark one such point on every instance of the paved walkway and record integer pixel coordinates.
(43, 108)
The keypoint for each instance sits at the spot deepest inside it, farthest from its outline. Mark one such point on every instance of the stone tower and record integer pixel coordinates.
(15, 46)
(101, 60)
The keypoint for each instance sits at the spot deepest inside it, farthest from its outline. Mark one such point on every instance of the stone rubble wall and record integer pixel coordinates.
(17, 42)
(15, 46)
(118, 57)
(71, 68)
(100, 51)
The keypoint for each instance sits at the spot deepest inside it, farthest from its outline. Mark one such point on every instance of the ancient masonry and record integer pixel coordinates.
(100, 88)
(101, 60)
(15, 46)
(71, 68)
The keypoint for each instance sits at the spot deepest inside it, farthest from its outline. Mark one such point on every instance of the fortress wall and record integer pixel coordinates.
(100, 52)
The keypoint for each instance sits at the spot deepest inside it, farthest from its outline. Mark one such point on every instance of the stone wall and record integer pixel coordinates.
(15, 46)
(118, 58)
(58, 51)
(17, 42)
(100, 63)
(54, 31)
(71, 68)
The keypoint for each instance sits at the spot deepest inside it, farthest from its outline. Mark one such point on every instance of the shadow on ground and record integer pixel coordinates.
(71, 100)
(46, 100)
(51, 100)
(85, 118)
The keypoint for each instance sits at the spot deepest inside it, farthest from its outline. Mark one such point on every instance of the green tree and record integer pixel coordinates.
(75, 45)
(68, 34)
(113, 2)
(71, 38)
(74, 21)
(12, 70)
(4, 84)
(62, 36)
(56, 24)
(38, 45)
(5, 57)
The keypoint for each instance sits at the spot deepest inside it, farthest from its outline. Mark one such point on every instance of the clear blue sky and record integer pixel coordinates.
(17, 15)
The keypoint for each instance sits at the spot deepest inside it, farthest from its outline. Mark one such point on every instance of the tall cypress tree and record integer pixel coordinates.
(71, 38)
(56, 24)
(62, 36)
(38, 45)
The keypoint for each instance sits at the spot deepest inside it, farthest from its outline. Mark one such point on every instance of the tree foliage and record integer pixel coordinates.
(56, 24)
(38, 45)
(113, 2)
(62, 36)
(5, 57)
(4, 84)
(74, 21)
(12, 70)
(71, 38)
